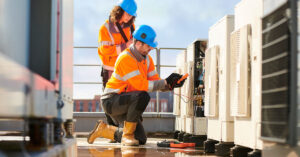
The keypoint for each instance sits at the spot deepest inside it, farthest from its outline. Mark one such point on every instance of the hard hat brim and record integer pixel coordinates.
(154, 44)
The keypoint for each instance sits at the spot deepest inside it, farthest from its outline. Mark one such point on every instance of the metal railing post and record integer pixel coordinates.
(158, 71)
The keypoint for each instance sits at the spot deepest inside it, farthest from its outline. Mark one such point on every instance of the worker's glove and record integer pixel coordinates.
(180, 84)
(172, 80)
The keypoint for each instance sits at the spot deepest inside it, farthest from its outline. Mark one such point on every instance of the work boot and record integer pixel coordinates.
(96, 153)
(128, 134)
(101, 130)
(129, 151)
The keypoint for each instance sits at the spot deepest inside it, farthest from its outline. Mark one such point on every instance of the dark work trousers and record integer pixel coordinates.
(127, 107)
(106, 74)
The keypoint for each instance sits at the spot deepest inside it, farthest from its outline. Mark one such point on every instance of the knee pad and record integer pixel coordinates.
(143, 100)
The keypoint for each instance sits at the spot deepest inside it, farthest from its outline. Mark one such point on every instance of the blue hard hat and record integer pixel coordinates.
(145, 34)
(129, 6)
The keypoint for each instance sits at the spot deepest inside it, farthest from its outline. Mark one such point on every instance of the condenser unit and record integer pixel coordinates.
(217, 89)
(280, 82)
(194, 124)
(190, 97)
(245, 77)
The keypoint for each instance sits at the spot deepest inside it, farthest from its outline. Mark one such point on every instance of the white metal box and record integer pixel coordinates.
(217, 93)
(247, 39)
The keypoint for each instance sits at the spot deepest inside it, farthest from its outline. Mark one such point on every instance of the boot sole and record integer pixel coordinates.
(90, 134)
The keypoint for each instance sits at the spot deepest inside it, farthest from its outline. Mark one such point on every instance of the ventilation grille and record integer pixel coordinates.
(275, 75)
(212, 82)
(240, 68)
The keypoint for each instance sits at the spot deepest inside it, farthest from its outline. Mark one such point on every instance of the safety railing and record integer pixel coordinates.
(159, 67)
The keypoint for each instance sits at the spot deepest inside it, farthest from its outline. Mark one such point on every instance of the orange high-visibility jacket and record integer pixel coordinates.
(111, 43)
(133, 75)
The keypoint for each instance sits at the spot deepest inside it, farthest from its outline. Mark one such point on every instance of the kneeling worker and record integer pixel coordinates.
(125, 96)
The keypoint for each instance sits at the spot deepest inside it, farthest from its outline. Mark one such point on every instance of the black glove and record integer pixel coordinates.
(172, 80)
(180, 84)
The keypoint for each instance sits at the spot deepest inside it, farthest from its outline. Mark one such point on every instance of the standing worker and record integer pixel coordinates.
(125, 96)
(115, 35)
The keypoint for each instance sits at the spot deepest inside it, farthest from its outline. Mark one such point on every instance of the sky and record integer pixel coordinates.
(177, 24)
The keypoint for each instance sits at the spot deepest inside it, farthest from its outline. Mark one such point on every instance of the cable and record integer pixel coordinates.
(188, 98)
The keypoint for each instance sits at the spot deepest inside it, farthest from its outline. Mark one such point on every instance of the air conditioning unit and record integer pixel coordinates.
(280, 129)
(217, 95)
(195, 53)
(189, 93)
(245, 77)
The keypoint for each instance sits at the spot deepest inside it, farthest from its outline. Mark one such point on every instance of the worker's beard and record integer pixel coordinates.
(145, 53)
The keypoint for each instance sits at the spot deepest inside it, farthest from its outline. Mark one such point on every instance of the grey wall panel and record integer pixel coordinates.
(14, 29)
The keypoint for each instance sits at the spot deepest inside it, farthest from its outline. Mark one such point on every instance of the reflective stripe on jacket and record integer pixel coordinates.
(133, 75)
(111, 43)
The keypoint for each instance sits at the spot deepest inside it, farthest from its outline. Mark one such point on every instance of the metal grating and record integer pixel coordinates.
(275, 75)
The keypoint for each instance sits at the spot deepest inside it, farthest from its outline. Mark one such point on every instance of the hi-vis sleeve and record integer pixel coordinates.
(106, 42)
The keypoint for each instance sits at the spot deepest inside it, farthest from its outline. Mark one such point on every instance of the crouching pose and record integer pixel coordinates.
(126, 97)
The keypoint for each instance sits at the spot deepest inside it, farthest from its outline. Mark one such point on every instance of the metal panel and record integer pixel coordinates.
(180, 62)
(24, 94)
(275, 75)
(279, 34)
(40, 38)
(177, 98)
(241, 77)
(14, 38)
(271, 5)
(67, 58)
(189, 93)
(212, 82)
(200, 124)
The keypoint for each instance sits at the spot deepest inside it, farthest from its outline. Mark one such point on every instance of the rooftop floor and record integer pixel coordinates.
(102, 147)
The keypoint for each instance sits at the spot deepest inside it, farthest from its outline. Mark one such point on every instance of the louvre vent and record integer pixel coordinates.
(212, 82)
(240, 76)
(275, 75)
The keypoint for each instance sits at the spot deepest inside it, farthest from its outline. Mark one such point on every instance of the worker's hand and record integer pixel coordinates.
(172, 80)
(129, 42)
(180, 84)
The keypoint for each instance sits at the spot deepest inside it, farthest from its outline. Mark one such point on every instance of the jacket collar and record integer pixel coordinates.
(113, 27)
(139, 57)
